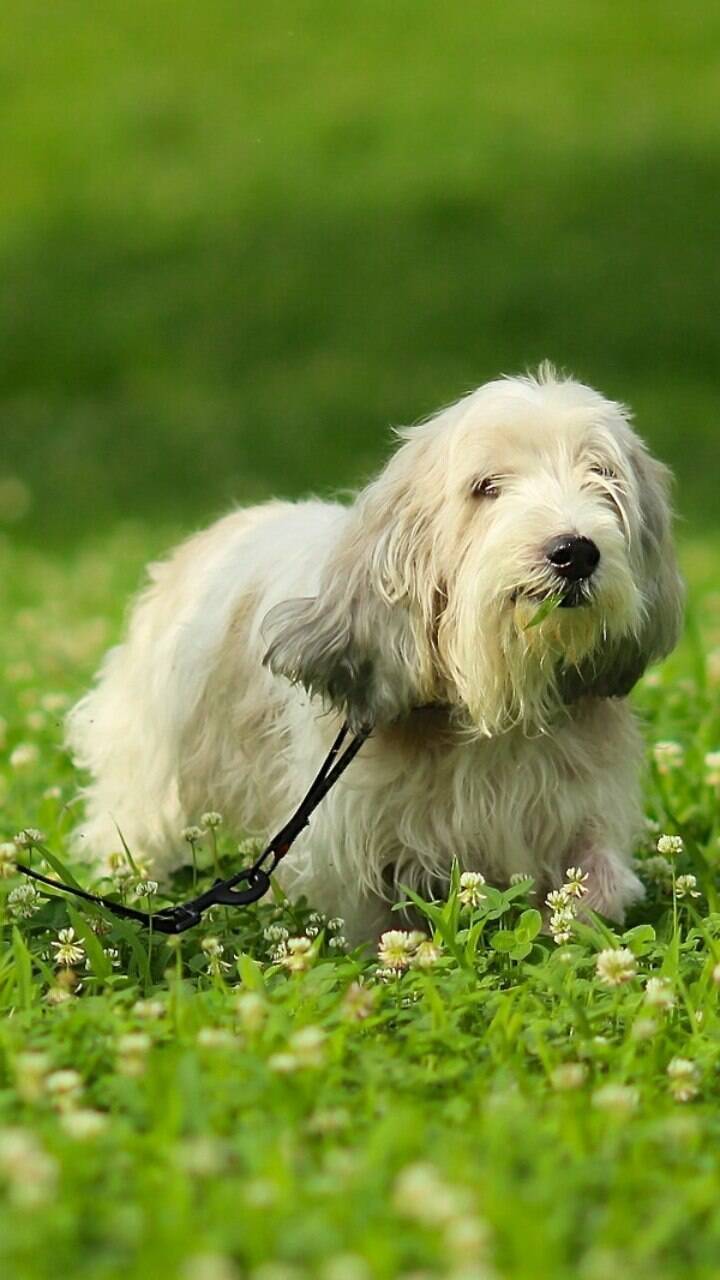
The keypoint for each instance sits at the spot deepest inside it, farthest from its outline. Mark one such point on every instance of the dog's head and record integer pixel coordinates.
(529, 493)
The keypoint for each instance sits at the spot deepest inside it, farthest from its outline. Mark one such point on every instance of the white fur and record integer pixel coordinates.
(507, 746)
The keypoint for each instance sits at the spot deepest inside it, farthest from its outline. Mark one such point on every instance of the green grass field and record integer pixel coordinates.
(502, 1112)
(236, 244)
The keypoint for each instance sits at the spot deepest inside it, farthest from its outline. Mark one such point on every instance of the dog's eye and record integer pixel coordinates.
(487, 488)
(602, 469)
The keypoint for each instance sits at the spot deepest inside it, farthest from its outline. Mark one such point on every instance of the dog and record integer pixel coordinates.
(486, 604)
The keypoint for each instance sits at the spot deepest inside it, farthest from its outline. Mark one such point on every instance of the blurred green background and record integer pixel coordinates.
(239, 240)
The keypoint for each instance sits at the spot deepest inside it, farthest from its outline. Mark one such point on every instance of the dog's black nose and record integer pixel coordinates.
(574, 558)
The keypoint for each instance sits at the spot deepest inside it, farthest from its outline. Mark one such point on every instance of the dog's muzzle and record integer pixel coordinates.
(574, 560)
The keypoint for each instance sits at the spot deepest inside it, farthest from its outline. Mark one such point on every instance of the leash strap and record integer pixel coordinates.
(255, 878)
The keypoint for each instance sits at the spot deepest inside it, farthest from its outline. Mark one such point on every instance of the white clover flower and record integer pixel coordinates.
(84, 1124)
(283, 1064)
(668, 756)
(68, 950)
(132, 1051)
(397, 948)
(686, 887)
(209, 1266)
(470, 894)
(336, 924)
(620, 1098)
(212, 946)
(148, 1010)
(569, 1075)
(29, 837)
(422, 1195)
(58, 995)
(54, 702)
(656, 870)
(216, 1038)
(558, 900)
(467, 1238)
(615, 965)
(338, 943)
(295, 954)
(251, 1010)
(31, 1174)
(659, 994)
(560, 925)
(64, 1087)
(35, 721)
(520, 877)
(8, 859)
(308, 1046)
(359, 1002)
(30, 1070)
(24, 756)
(684, 1079)
(576, 882)
(192, 834)
(146, 889)
(201, 1156)
(644, 1029)
(426, 955)
(712, 768)
(275, 933)
(211, 820)
(671, 845)
(24, 901)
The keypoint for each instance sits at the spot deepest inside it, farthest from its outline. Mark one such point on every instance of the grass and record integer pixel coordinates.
(238, 241)
(502, 1112)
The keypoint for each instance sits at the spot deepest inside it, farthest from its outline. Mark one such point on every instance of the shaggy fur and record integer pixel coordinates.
(508, 746)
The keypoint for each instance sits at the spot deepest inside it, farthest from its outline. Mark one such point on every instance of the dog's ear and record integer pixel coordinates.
(613, 672)
(365, 643)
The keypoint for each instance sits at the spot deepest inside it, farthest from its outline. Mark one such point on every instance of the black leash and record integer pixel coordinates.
(256, 877)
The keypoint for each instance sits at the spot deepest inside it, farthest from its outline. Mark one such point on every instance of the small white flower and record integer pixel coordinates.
(560, 924)
(397, 948)
(148, 1010)
(192, 834)
(644, 1029)
(251, 1010)
(308, 1046)
(275, 933)
(672, 846)
(359, 1002)
(470, 893)
(29, 837)
(83, 1124)
(295, 954)
(684, 1078)
(712, 768)
(558, 899)
(283, 1064)
(668, 756)
(64, 1087)
(8, 859)
(716, 975)
(24, 901)
(576, 882)
(338, 943)
(620, 1098)
(569, 1075)
(211, 820)
(212, 946)
(146, 889)
(68, 950)
(659, 994)
(30, 1173)
(336, 924)
(426, 955)
(216, 1038)
(615, 965)
(24, 756)
(422, 1195)
(686, 887)
(132, 1051)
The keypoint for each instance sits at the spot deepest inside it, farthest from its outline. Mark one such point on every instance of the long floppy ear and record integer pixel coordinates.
(365, 643)
(613, 673)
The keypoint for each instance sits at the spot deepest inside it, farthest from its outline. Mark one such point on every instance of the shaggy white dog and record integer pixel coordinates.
(507, 745)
